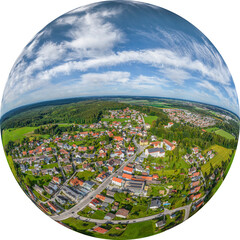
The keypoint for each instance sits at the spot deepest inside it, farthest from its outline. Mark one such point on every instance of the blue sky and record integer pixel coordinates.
(120, 48)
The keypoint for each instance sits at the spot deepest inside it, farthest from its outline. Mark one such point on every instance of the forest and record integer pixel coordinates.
(89, 111)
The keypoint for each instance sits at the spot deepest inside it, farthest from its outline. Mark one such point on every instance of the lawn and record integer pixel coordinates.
(31, 135)
(138, 211)
(139, 230)
(213, 129)
(17, 134)
(154, 190)
(78, 225)
(134, 230)
(40, 180)
(225, 134)
(51, 165)
(98, 215)
(86, 175)
(222, 155)
(150, 119)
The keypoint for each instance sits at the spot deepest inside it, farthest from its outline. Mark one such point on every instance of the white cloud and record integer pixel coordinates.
(90, 43)
(227, 102)
(83, 42)
(176, 75)
(159, 58)
(106, 78)
(187, 46)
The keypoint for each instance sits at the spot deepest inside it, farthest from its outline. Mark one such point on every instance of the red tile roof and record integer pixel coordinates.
(128, 169)
(115, 179)
(127, 176)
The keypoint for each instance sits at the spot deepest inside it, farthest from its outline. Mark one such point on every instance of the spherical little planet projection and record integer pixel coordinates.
(120, 120)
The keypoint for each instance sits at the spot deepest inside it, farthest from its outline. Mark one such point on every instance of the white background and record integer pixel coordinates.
(21, 20)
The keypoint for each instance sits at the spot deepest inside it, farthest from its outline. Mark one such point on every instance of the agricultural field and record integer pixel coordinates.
(160, 105)
(220, 132)
(224, 134)
(223, 154)
(13, 134)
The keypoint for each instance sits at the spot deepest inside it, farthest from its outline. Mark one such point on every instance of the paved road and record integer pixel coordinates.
(187, 209)
(60, 167)
(166, 212)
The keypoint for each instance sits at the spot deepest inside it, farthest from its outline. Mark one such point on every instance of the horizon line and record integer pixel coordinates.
(115, 96)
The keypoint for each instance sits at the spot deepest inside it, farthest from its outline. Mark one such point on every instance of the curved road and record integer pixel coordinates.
(166, 212)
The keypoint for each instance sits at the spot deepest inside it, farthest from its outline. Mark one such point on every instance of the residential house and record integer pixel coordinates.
(169, 145)
(117, 181)
(73, 195)
(161, 223)
(56, 180)
(143, 142)
(157, 144)
(128, 170)
(109, 216)
(94, 203)
(122, 213)
(155, 204)
(76, 182)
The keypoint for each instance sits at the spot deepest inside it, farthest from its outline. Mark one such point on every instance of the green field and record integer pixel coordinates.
(160, 105)
(51, 165)
(213, 129)
(86, 175)
(139, 230)
(165, 172)
(153, 190)
(150, 119)
(13, 134)
(98, 215)
(134, 230)
(222, 155)
(220, 132)
(225, 134)
(78, 225)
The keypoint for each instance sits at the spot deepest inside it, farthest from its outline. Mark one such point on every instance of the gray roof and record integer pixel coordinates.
(152, 150)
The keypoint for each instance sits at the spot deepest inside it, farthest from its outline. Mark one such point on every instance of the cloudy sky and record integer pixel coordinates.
(120, 48)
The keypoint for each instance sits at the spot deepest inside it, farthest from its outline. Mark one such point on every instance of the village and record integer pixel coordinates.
(109, 170)
(185, 116)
